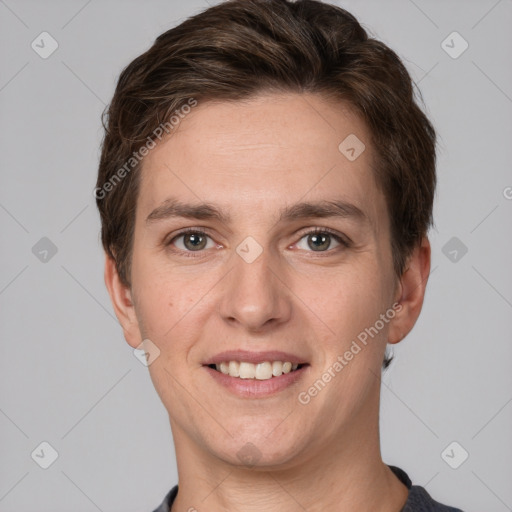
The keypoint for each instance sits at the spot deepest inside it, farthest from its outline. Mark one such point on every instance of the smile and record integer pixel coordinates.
(246, 386)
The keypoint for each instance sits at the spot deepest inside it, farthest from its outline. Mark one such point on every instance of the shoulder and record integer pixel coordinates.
(168, 500)
(419, 500)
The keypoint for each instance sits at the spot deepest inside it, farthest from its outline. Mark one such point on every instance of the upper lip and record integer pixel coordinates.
(254, 357)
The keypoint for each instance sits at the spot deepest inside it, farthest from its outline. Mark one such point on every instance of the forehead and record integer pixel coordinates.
(262, 153)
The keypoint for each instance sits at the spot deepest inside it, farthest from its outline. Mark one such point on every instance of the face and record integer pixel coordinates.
(289, 261)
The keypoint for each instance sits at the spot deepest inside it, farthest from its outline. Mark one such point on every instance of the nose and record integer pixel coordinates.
(255, 295)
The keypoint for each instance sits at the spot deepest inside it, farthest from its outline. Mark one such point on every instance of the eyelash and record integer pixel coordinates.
(315, 231)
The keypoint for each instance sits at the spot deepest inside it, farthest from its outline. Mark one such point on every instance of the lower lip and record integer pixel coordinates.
(254, 388)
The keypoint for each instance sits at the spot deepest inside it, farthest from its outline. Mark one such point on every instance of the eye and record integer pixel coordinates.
(195, 240)
(320, 240)
(191, 240)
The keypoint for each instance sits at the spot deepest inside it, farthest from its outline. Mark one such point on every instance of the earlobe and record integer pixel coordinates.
(411, 291)
(121, 297)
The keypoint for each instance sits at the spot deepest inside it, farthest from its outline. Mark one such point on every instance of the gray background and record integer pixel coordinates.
(69, 378)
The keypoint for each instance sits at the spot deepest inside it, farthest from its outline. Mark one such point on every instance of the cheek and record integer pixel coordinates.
(171, 303)
(159, 300)
(346, 302)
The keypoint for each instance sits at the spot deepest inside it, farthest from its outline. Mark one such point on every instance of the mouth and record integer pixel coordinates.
(254, 375)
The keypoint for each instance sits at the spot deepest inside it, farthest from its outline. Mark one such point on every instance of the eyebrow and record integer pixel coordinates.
(172, 208)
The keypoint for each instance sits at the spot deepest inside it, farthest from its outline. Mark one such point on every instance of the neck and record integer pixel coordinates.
(342, 475)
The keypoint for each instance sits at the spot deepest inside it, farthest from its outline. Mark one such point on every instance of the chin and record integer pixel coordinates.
(261, 449)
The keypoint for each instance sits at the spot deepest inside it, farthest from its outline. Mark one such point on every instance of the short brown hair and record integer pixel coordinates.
(239, 48)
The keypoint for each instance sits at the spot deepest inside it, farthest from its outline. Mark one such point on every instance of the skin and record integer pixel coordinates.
(251, 159)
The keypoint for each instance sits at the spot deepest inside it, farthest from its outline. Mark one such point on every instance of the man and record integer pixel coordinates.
(265, 190)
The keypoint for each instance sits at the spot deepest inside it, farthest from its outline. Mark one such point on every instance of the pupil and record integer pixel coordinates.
(195, 240)
(322, 239)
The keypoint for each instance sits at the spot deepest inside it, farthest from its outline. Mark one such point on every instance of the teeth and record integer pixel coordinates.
(260, 371)
(263, 371)
(247, 371)
(234, 369)
(277, 368)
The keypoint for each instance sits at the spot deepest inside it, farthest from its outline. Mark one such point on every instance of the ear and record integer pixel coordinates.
(410, 292)
(121, 298)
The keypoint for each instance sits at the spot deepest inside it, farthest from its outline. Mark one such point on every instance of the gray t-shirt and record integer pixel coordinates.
(419, 499)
